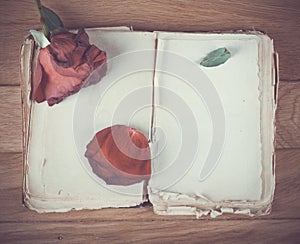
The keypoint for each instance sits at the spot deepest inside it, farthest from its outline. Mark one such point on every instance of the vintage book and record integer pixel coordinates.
(210, 129)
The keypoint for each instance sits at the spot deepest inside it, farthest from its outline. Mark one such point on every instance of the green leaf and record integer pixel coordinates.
(51, 19)
(216, 57)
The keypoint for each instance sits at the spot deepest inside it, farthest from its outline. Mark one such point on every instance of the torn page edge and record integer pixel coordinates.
(168, 203)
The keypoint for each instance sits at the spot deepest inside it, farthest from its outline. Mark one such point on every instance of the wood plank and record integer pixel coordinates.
(10, 119)
(286, 202)
(287, 190)
(280, 19)
(288, 117)
(257, 231)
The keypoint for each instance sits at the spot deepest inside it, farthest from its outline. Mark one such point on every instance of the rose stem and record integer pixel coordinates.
(44, 26)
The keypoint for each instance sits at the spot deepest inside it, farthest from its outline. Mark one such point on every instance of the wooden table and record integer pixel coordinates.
(280, 19)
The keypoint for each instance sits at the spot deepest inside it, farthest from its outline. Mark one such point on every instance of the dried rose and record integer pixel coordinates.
(120, 155)
(63, 66)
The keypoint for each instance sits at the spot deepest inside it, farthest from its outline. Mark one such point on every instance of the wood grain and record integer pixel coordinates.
(280, 19)
(288, 117)
(257, 231)
(10, 119)
(286, 202)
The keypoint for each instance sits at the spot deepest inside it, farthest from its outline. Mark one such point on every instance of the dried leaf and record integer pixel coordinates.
(216, 57)
(51, 19)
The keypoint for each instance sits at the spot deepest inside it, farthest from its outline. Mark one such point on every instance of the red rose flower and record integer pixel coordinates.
(120, 155)
(63, 66)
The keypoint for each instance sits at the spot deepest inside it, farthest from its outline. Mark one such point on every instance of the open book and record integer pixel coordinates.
(210, 129)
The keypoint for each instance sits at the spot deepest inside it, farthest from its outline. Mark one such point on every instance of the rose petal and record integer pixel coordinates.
(120, 166)
(62, 46)
(82, 38)
(95, 56)
(77, 56)
(39, 86)
(61, 82)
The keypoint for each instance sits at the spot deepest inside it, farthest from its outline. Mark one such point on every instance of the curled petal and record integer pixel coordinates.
(122, 162)
(39, 88)
(95, 56)
(62, 46)
(82, 38)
